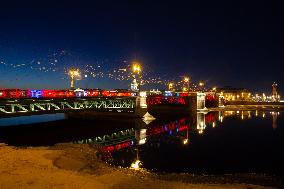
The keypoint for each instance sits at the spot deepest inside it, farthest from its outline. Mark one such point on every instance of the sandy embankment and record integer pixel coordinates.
(76, 166)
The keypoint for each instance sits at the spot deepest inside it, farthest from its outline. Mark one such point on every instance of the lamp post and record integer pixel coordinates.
(171, 86)
(136, 68)
(201, 85)
(186, 80)
(73, 73)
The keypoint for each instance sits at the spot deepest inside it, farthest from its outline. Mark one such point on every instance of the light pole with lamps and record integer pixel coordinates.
(136, 68)
(186, 80)
(73, 73)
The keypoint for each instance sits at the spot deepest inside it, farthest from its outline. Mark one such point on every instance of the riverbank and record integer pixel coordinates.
(77, 166)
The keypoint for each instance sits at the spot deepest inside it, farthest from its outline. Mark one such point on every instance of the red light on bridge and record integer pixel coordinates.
(117, 146)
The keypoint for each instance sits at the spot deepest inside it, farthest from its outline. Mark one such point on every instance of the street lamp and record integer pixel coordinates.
(201, 85)
(171, 85)
(73, 73)
(136, 68)
(186, 80)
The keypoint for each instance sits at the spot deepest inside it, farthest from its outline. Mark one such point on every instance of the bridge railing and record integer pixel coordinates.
(99, 104)
(156, 100)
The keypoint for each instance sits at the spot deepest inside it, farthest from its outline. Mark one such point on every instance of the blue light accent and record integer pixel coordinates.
(166, 128)
(168, 93)
(36, 93)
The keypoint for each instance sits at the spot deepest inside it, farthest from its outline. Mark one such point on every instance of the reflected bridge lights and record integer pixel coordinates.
(201, 127)
(221, 118)
(185, 141)
(136, 165)
(141, 136)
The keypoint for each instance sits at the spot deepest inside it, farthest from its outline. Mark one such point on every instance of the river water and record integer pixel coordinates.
(203, 143)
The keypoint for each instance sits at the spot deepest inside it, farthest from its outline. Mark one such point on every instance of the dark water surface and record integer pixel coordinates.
(211, 143)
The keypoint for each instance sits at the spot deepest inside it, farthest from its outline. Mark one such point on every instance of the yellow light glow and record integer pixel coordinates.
(143, 94)
(171, 85)
(185, 141)
(74, 72)
(136, 165)
(186, 79)
(221, 119)
(136, 68)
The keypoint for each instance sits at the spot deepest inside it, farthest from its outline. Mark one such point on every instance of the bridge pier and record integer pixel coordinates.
(141, 106)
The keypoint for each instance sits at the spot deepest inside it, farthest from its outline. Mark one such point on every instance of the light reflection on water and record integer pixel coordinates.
(213, 142)
(244, 141)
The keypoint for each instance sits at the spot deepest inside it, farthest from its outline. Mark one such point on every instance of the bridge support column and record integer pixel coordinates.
(196, 101)
(141, 106)
(201, 101)
(221, 101)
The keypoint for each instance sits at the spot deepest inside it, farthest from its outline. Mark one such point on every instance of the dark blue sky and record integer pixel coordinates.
(239, 44)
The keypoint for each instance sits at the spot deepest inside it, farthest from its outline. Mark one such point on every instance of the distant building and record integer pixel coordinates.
(234, 94)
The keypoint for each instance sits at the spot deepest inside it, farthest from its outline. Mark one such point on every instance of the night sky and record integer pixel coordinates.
(224, 43)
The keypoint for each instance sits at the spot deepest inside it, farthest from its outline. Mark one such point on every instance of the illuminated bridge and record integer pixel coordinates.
(10, 108)
(130, 106)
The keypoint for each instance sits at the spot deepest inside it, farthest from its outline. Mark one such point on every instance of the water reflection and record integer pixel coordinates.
(123, 148)
(274, 119)
(200, 142)
(179, 128)
(31, 119)
(250, 114)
